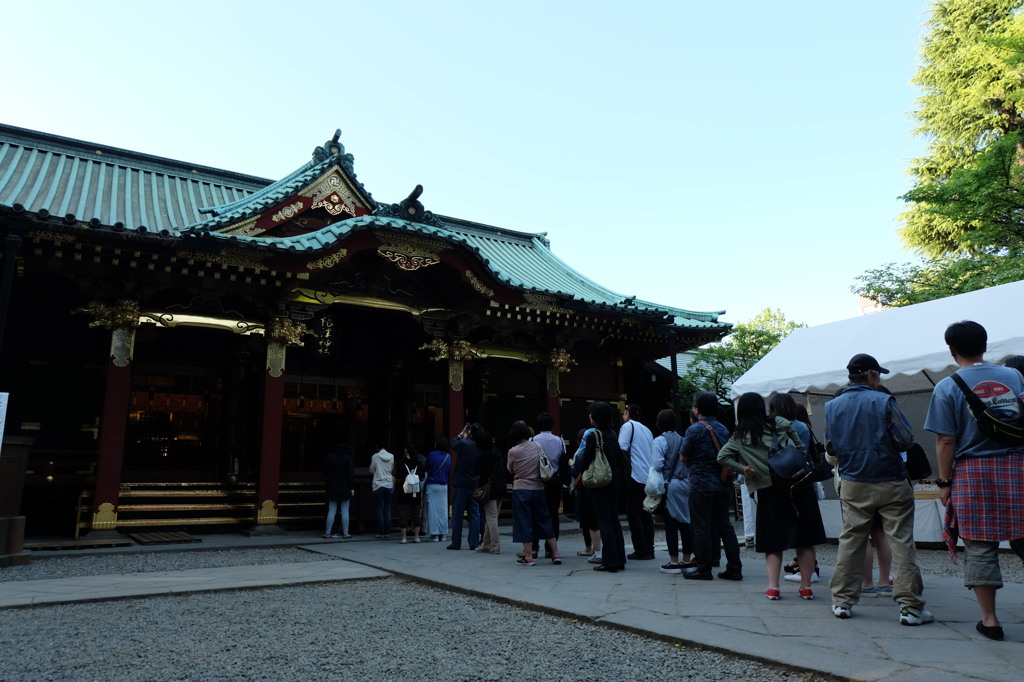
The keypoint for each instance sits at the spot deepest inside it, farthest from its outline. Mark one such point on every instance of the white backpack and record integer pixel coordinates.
(412, 482)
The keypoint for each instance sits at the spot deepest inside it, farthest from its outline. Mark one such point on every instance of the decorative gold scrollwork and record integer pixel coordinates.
(328, 261)
(410, 253)
(453, 350)
(286, 331)
(560, 360)
(480, 287)
(287, 212)
(120, 315)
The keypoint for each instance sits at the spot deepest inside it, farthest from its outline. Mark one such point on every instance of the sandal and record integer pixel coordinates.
(326, 536)
(585, 552)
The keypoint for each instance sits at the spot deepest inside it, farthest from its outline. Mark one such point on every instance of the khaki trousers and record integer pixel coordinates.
(894, 501)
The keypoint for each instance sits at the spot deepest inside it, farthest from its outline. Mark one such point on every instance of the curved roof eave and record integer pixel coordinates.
(524, 263)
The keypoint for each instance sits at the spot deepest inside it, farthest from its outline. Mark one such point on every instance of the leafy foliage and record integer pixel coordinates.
(966, 213)
(716, 366)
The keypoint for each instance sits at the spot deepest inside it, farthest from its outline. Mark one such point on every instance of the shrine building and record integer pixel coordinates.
(181, 345)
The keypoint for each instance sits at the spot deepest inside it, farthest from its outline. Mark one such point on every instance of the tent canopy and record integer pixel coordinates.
(906, 341)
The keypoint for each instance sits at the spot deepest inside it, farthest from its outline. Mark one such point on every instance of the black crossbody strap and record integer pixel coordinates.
(973, 401)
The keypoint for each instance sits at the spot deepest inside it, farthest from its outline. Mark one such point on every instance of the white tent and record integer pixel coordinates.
(906, 341)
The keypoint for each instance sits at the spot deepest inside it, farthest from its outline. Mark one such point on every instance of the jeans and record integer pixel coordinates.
(674, 531)
(382, 500)
(462, 501)
(606, 510)
(333, 507)
(641, 523)
(709, 516)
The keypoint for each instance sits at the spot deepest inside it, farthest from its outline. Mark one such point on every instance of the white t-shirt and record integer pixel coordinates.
(638, 440)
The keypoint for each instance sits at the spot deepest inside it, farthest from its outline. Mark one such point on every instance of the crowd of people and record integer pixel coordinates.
(688, 478)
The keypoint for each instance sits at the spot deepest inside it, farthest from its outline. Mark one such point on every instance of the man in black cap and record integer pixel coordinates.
(866, 431)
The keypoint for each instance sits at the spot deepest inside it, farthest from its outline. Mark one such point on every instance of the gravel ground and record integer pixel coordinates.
(363, 630)
(359, 630)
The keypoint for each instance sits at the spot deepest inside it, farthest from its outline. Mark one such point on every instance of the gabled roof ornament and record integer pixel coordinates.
(409, 209)
(333, 147)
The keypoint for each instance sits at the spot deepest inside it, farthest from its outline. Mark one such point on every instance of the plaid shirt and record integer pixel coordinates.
(985, 501)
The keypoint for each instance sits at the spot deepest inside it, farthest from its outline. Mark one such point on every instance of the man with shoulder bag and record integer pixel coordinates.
(980, 469)
(637, 444)
(866, 431)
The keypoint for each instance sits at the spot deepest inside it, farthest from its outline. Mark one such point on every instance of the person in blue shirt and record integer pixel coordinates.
(867, 431)
(980, 478)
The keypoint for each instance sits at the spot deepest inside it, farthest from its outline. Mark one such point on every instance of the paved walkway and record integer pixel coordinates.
(724, 615)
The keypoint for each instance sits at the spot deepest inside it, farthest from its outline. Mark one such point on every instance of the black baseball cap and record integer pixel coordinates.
(862, 362)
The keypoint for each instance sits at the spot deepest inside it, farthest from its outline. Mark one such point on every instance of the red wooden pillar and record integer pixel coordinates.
(456, 409)
(269, 482)
(280, 332)
(116, 405)
(553, 406)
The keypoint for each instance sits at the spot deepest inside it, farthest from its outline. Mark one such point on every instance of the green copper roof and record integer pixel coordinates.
(96, 187)
(77, 181)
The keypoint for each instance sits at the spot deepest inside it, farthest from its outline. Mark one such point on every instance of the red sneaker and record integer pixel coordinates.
(806, 593)
(773, 593)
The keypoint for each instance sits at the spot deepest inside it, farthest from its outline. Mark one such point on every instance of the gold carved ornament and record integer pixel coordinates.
(287, 212)
(105, 518)
(281, 333)
(122, 319)
(410, 253)
(478, 285)
(267, 513)
(456, 353)
(328, 261)
(558, 361)
(123, 314)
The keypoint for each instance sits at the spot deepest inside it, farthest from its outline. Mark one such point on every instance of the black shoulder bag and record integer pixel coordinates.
(990, 422)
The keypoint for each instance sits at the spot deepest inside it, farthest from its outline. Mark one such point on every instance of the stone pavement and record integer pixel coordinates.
(728, 616)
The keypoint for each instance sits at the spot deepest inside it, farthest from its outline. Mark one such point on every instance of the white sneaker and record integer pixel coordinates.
(596, 559)
(909, 616)
(841, 611)
(795, 577)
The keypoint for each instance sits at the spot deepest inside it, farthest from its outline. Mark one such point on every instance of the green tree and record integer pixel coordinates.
(716, 366)
(966, 209)
(970, 84)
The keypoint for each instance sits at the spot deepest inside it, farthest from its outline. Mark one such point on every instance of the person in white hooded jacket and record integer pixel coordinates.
(382, 464)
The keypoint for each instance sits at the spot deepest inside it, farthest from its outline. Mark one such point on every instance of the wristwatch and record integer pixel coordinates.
(942, 482)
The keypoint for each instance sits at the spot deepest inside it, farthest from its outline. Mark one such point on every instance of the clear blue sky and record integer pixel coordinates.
(709, 156)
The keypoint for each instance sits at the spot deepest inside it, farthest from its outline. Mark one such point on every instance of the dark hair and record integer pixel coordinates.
(634, 411)
(802, 414)
(545, 422)
(482, 438)
(411, 449)
(601, 413)
(782, 405)
(440, 443)
(751, 420)
(967, 339)
(520, 431)
(666, 421)
(1014, 361)
(706, 403)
